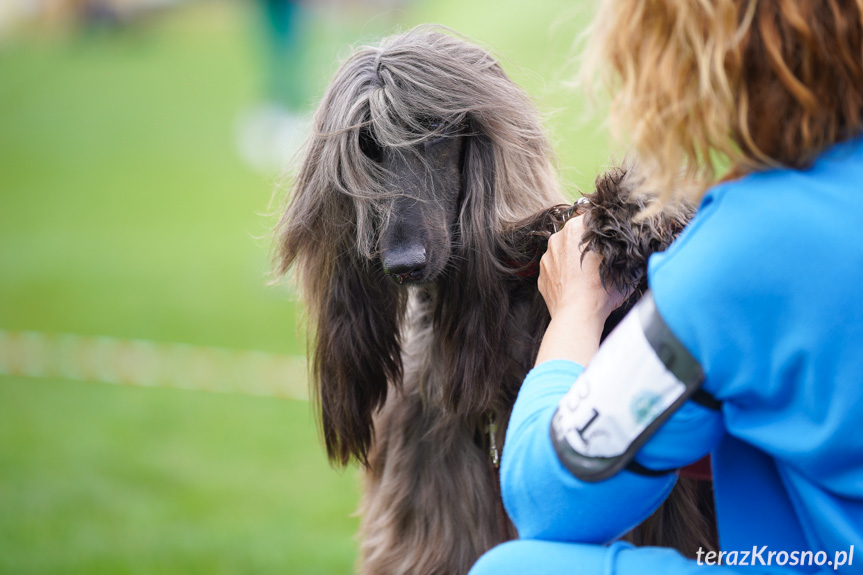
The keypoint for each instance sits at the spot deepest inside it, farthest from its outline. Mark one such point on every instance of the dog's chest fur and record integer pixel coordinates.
(430, 476)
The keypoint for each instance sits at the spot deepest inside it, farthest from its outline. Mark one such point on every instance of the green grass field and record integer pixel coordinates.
(125, 212)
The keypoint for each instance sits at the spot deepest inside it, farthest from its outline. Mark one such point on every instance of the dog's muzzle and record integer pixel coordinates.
(407, 264)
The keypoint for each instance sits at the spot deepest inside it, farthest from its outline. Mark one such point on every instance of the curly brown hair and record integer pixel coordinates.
(742, 83)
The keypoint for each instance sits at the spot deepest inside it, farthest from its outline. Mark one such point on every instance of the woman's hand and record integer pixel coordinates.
(569, 280)
(573, 292)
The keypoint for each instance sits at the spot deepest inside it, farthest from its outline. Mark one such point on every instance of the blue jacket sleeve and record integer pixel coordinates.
(544, 500)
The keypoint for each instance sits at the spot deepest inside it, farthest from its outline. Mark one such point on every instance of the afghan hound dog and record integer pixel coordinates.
(416, 221)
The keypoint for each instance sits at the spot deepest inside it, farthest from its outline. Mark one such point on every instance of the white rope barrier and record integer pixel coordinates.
(147, 363)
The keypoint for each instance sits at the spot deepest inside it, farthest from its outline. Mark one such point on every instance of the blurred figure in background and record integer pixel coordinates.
(294, 33)
(83, 13)
(273, 131)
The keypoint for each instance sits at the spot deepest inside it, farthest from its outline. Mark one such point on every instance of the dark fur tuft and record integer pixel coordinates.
(618, 228)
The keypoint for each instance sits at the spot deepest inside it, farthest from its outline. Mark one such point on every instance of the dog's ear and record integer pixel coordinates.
(353, 312)
(356, 353)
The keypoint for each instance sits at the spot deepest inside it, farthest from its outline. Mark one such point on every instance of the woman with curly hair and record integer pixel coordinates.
(749, 345)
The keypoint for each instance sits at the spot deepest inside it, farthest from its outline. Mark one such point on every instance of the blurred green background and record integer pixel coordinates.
(127, 211)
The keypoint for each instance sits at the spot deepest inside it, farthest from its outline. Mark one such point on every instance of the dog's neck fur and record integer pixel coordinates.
(418, 341)
(428, 354)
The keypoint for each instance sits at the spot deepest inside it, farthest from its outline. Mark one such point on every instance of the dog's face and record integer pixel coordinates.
(415, 238)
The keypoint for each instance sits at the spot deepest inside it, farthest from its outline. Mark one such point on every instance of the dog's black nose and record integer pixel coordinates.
(405, 264)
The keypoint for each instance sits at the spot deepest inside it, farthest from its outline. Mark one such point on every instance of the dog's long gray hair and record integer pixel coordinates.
(330, 229)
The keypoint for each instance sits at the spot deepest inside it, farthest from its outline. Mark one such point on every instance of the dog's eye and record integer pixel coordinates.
(447, 134)
(370, 146)
(432, 124)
